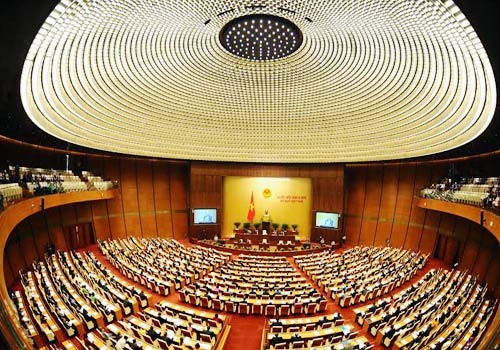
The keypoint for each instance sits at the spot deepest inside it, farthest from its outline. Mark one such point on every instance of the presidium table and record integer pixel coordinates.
(271, 238)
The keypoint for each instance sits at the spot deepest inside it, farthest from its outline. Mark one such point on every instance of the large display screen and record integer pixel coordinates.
(327, 220)
(205, 216)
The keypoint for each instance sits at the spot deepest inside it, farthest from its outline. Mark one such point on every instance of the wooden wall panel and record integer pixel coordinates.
(328, 193)
(208, 193)
(117, 227)
(39, 231)
(179, 195)
(417, 214)
(29, 248)
(492, 274)
(133, 225)
(356, 181)
(165, 225)
(367, 231)
(145, 194)
(469, 255)
(13, 261)
(148, 224)
(179, 199)
(447, 225)
(56, 233)
(389, 192)
(373, 188)
(57, 237)
(440, 249)
(482, 261)
(462, 230)
(429, 233)
(100, 220)
(451, 251)
(180, 224)
(352, 228)
(130, 198)
(68, 215)
(115, 206)
(403, 205)
(161, 187)
(150, 193)
(83, 212)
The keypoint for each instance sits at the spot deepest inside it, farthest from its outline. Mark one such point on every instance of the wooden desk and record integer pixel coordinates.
(320, 333)
(184, 340)
(189, 311)
(97, 342)
(290, 322)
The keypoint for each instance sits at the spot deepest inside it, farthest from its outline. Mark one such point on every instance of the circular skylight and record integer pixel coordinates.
(260, 37)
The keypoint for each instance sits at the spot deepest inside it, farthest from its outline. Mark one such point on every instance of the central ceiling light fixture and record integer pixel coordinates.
(261, 37)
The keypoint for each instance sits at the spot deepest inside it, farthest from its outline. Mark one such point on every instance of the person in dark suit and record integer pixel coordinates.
(276, 339)
(390, 332)
(209, 332)
(426, 331)
(295, 337)
(322, 321)
(418, 338)
(152, 333)
(276, 322)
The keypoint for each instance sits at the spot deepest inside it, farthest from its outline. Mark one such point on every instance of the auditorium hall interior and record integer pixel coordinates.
(241, 175)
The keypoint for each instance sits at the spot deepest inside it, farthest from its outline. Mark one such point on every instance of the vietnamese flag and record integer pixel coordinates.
(251, 210)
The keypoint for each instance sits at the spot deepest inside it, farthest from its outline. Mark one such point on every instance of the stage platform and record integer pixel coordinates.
(230, 247)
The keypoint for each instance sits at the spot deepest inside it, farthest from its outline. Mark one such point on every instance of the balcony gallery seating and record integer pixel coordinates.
(38, 181)
(256, 285)
(473, 191)
(10, 192)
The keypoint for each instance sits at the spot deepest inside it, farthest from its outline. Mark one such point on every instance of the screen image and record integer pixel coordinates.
(327, 220)
(205, 216)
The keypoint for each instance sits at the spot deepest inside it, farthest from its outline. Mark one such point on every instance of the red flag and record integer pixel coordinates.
(251, 210)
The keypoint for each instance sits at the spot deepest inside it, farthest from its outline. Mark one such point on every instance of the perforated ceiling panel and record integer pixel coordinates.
(371, 80)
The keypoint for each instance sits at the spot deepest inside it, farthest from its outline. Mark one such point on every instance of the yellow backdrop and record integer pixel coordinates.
(287, 199)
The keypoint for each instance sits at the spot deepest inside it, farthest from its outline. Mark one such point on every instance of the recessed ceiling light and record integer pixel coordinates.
(261, 38)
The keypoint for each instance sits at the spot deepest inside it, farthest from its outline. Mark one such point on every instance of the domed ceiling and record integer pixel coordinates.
(273, 81)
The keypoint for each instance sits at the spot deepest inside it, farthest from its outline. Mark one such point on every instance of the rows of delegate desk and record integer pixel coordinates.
(159, 264)
(247, 285)
(443, 310)
(313, 332)
(361, 273)
(73, 294)
(267, 285)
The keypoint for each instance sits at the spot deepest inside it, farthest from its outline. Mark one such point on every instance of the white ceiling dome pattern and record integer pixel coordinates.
(372, 80)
